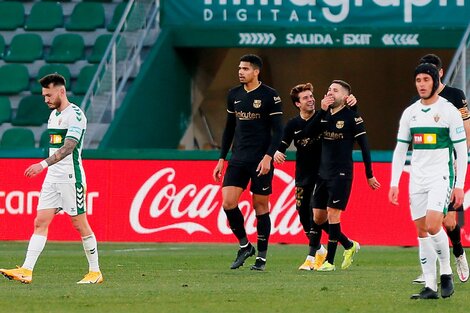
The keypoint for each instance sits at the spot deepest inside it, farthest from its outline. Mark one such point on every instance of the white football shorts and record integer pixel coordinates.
(434, 196)
(69, 197)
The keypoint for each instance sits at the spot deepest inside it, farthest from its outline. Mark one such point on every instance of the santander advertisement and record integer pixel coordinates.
(177, 201)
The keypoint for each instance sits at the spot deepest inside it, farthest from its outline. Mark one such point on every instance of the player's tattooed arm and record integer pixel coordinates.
(64, 151)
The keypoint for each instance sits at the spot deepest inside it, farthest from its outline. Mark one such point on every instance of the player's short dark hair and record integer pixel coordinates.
(255, 60)
(55, 79)
(344, 84)
(433, 59)
(294, 92)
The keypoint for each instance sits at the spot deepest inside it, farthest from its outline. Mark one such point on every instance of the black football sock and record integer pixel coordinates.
(454, 236)
(334, 233)
(236, 222)
(343, 240)
(315, 238)
(264, 230)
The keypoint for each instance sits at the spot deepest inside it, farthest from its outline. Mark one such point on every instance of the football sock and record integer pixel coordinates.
(305, 217)
(427, 258)
(441, 246)
(334, 233)
(91, 251)
(35, 247)
(455, 238)
(315, 238)
(236, 222)
(264, 230)
(343, 240)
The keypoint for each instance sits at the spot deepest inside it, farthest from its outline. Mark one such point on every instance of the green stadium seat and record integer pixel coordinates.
(11, 15)
(32, 111)
(77, 100)
(66, 48)
(17, 138)
(44, 140)
(84, 79)
(14, 78)
(86, 16)
(24, 48)
(5, 110)
(117, 15)
(50, 69)
(45, 16)
(2, 46)
(101, 44)
(104, 1)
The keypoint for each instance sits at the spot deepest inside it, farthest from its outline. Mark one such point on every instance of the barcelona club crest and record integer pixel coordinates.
(257, 104)
(339, 124)
(436, 118)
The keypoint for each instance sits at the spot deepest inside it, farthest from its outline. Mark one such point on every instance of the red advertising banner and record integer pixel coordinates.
(177, 201)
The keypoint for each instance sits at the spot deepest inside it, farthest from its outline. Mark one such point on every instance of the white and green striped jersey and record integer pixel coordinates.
(432, 130)
(68, 124)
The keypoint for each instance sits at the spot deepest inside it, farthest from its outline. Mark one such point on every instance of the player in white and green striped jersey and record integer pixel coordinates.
(64, 187)
(434, 128)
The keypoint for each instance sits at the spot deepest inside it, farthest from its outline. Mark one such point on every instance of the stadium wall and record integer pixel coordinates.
(176, 200)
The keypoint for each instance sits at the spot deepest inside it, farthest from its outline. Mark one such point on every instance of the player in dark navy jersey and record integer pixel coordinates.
(254, 125)
(457, 98)
(307, 161)
(340, 128)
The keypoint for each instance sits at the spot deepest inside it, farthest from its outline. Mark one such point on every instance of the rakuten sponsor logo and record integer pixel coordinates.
(193, 208)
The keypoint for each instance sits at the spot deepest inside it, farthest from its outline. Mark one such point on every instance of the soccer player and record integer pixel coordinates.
(64, 187)
(307, 161)
(434, 128)
(457, 98)
(340, 128)
(254, 124)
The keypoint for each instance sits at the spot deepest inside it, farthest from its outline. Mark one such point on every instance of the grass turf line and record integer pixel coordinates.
(197, 278)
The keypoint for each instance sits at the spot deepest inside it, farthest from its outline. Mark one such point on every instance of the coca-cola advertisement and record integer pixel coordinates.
(178, 201)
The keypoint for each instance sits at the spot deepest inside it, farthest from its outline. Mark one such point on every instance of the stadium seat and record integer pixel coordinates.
(117, 15)
(101, 44)
(49, 69)
(44, 140)
(17, 138)
(24, 48)
(86, 16)
(45, 16)
(97, 0)
(14, 78)
(11, 15)
(32, 111)
(66, 48)
(77, 100)
(5, 110)
(84, 79)
(2, 46)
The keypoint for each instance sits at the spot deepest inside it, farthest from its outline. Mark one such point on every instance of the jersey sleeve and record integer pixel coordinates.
(456, 128)
(359, 128)
(77, 125)
(462, 105)
(404, 133)
(287, 136)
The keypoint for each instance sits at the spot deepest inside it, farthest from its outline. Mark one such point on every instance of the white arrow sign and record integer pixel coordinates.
(256, 38)
(400, 39)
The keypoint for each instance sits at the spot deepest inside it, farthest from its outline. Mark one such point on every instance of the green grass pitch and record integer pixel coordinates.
(197, 278)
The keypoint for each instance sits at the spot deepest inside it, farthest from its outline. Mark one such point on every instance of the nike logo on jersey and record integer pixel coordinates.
(296, 132)
(323, 121)
(336, 201)
(237, 101)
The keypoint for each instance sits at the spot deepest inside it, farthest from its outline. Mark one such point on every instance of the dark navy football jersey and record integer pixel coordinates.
(257, 114)
(340, 131)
